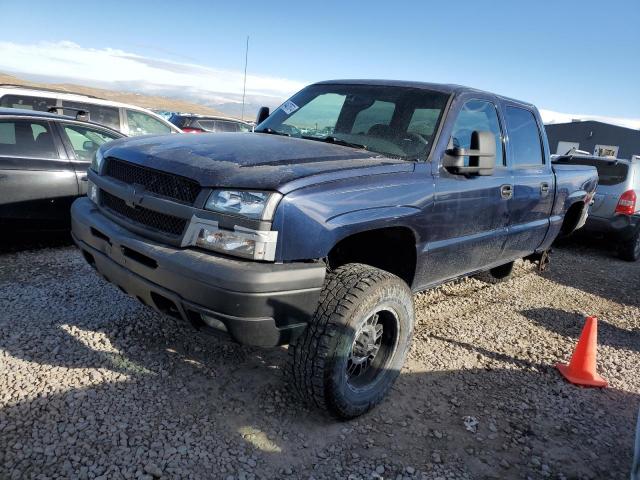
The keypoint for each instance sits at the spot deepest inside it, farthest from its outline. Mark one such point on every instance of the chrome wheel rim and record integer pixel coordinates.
(373, 347)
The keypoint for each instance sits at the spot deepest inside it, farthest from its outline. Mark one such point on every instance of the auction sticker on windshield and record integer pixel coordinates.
(289, 107)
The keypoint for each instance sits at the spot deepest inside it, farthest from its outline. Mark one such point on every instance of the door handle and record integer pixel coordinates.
(506, 191)
(544, 188)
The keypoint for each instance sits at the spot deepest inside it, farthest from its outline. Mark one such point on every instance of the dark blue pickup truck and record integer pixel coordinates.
(315, 230)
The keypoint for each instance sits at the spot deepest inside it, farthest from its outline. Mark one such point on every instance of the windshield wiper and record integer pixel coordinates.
(271, 131)
(337, 141)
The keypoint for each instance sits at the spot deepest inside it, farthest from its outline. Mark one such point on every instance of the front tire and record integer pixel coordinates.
(630, 250)
(352, 351)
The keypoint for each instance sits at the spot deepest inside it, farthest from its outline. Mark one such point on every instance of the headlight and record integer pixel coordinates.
(251, 204)
(96, 162)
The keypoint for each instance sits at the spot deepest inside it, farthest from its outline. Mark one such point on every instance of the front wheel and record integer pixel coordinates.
(353, 349)
(630, 250)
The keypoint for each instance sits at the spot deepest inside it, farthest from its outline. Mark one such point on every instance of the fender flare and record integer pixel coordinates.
(363, 220)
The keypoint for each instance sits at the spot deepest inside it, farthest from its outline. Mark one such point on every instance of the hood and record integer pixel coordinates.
(248, 160)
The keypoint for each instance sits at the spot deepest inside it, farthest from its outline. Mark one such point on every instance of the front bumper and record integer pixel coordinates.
(621, 227)
(255, 303)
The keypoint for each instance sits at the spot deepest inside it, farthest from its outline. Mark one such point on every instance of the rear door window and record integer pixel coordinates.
(524, 138)
(108, 116)
(40, 104)
(86, 140)
(26, 138)
(142, 124)
(612, 174)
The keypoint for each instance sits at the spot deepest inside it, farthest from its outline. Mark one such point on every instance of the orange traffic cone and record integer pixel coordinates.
(582, 368)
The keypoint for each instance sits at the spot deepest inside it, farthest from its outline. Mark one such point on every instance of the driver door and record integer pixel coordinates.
(471, 212)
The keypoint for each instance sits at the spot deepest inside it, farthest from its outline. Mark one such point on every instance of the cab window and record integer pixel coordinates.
(477, 115)
(524, 138)
(316, 118)
(377, 118)
(423, 121)
(379, 113)
(142, 124)
(85, 141)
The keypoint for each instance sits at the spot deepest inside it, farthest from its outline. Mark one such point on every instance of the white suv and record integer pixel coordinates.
(128, 119)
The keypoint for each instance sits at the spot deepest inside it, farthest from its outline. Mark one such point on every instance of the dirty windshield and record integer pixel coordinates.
(394, 121)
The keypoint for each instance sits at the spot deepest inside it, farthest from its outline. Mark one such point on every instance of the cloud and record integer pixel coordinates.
(150, 75)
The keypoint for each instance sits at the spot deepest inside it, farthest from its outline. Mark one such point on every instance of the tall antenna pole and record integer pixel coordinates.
(244, 87)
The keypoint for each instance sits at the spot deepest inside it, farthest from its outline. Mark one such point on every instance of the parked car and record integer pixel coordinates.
(44, 159)
(615, 213)
(190, 123)
(128, 119)
(318, 240)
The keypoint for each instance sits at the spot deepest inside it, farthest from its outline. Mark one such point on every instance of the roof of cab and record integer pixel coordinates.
(447, 88)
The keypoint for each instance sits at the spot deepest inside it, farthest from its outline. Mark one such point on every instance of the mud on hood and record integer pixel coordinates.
(246, 160)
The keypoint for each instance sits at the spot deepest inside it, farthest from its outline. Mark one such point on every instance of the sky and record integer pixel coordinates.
(575, 57)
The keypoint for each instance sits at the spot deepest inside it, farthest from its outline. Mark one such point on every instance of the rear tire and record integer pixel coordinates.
(352, 351)
(630, 250)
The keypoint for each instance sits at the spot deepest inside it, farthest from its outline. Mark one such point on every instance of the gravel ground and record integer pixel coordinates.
(94, 385)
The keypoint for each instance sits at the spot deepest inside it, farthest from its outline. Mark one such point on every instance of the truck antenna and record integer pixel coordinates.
(244, 86)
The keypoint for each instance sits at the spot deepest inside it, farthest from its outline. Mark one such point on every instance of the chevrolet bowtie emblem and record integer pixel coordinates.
(134, 195)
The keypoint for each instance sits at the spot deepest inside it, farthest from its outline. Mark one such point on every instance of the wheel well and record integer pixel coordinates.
(392, 249)
(571, 218)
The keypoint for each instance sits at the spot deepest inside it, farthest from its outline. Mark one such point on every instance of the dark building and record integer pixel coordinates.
(597, 138)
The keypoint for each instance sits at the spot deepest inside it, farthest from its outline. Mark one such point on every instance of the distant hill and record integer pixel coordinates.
(146, 101)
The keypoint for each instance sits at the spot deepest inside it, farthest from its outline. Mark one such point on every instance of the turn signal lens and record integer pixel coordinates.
(92, 191)
(257, 245)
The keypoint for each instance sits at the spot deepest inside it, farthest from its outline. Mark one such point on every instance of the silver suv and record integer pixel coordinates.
(615, 212)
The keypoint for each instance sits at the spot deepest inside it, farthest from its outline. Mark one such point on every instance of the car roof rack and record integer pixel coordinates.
(52, 90)
(81, 114)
